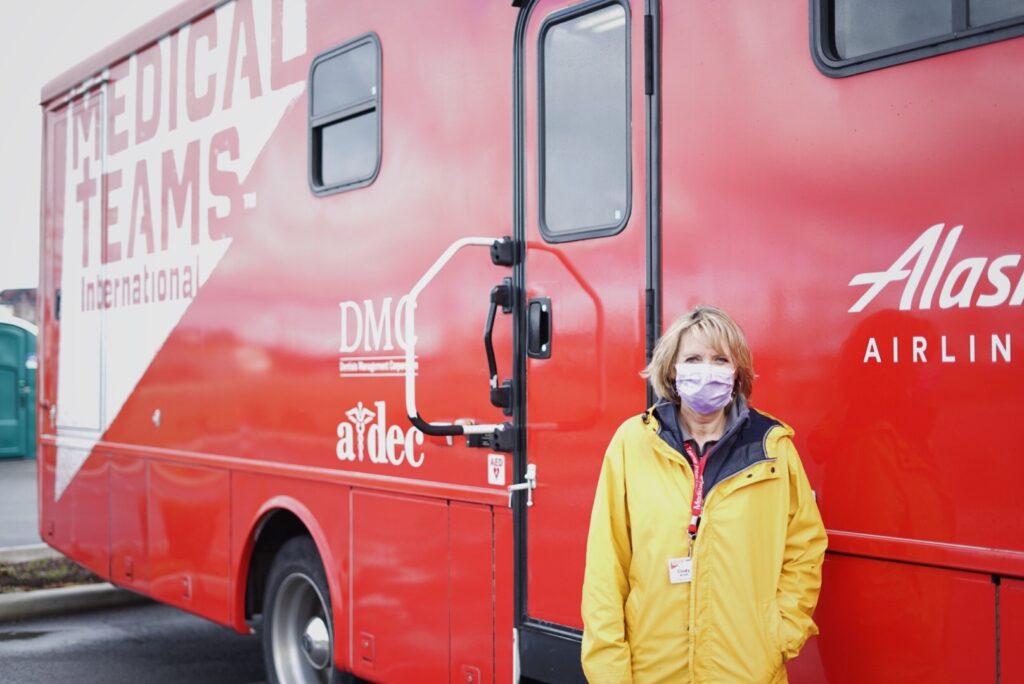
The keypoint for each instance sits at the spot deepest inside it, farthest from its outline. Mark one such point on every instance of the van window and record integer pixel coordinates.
(344, 116)
(865, 26)
(852, 36)
(584, 123)
(990, 11)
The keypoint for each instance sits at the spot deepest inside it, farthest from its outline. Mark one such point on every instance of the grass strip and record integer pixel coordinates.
(43, 574)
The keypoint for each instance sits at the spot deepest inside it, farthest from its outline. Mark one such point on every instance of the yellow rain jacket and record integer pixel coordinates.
(756, 560)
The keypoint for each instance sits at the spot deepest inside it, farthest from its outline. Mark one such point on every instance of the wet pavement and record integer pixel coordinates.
(150, 643)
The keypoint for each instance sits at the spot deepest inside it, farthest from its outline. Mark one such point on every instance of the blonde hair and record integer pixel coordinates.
(719, 331)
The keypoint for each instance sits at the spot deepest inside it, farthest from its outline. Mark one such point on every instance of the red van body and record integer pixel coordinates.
(229, 358)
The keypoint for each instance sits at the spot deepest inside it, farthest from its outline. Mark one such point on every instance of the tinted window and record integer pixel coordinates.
(345, 79)
(344, 116)
(585, 123)
(348, 149)
(852, 36)
(989, 11)
(863, 26)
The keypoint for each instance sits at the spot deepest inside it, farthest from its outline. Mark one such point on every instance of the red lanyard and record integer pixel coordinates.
(697, 505)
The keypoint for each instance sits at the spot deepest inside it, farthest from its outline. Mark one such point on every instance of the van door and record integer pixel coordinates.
(73, 289)
(582, 198)
(76, 185)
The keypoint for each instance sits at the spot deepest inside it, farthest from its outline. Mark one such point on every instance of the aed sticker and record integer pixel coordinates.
(496, 469)
(680, 570)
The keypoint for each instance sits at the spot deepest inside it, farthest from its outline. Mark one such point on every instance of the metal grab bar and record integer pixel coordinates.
(426, 427)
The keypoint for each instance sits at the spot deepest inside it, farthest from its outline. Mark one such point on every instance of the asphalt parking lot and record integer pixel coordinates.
(147, 643)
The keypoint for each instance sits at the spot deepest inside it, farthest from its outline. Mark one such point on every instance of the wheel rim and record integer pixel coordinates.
(300, 632)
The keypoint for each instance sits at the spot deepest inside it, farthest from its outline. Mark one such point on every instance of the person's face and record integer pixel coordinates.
(693, 348)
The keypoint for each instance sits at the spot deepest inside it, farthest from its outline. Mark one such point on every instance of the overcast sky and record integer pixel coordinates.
(38, 41)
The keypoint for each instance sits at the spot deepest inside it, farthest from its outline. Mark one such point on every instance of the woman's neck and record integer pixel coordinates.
(704, 428)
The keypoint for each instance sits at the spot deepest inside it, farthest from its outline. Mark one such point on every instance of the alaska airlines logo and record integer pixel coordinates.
(366, 435)
(959, 287)
(927, 282)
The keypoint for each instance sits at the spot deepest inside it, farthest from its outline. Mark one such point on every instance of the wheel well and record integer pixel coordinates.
(277, 527)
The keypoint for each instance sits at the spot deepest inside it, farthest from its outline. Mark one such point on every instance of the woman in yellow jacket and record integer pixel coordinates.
(713, 583)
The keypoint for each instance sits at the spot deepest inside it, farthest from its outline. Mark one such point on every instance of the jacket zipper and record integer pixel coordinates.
(696, 544)
(693, 592)
(693, 609)
(693, 556)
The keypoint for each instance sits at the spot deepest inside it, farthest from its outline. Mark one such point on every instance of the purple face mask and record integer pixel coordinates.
(703, 387)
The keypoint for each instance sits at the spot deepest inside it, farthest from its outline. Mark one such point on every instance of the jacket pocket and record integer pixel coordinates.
(771, 623)
(631, 613)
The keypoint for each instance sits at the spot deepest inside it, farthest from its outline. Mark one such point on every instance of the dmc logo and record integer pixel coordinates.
(959, 285)
(370, 333)
(365, 327)
(366, 434)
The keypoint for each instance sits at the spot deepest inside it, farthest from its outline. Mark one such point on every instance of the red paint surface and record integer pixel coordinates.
(1011, 621)
(77, 524)
(471, 591)
(400, 585)
(784, 190)
(129, 529)
(884, 621)
(189, 540)
(503, 595)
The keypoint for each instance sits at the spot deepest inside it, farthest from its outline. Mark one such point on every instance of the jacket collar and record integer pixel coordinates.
(673, 432)
(743, 445)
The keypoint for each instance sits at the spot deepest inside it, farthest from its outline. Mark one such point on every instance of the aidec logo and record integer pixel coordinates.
(361, 436)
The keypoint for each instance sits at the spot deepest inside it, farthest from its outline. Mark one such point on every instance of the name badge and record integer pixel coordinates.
(680, 570)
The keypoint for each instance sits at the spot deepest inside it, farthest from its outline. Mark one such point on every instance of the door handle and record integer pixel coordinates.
(501, 392)
(538, 328)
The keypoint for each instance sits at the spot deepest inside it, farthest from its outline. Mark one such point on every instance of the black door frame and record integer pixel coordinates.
(550, 652)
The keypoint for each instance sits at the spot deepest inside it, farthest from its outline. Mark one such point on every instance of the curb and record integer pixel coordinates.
(64, 600)
(27, 554)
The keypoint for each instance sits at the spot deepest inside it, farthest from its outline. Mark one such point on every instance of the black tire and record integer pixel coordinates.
(297, 618)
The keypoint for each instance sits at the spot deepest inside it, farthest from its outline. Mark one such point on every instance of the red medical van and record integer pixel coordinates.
(342, 301)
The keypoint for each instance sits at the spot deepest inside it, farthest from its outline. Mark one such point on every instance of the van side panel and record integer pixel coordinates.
(225, 298)
(865, 233)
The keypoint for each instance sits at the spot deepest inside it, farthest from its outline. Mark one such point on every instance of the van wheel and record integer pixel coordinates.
(298, 638)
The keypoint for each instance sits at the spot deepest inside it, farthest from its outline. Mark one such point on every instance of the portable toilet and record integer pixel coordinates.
(17, 388)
